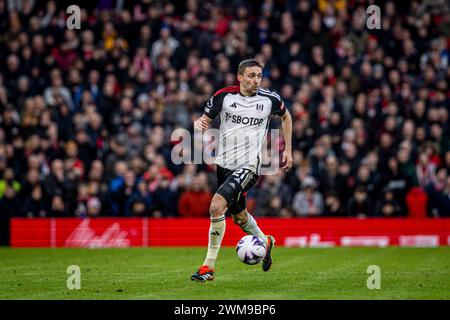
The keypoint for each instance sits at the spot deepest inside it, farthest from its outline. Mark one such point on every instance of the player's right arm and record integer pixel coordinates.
(202, 123)
(212, 109)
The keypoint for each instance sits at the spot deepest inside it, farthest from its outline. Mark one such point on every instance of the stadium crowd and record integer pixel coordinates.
(86, 115)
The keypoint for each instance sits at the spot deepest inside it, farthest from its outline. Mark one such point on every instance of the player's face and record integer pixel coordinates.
(250, 79)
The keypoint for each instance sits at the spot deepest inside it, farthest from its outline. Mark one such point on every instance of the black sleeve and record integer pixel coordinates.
(214, 106)
(278, 107)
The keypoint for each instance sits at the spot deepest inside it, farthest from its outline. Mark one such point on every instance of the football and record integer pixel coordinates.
(251, 249)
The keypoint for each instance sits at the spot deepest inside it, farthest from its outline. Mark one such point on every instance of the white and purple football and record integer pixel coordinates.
(251, 249)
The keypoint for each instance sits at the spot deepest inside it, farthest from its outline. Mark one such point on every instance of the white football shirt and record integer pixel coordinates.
(244, 122)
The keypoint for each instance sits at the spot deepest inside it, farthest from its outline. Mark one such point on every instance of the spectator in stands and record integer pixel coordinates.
(123, 191)
(141, 201)
(443, 201)
(396, 182)
(166, 196)
(365, 178)
(360, 205)
(436, 192)
(9, 179)
(58, 209)
(273, 195)
(94, 207)
(139, 208)
(387, 206)
(333, 207)
(57, 91)
(35, 205)
(194, 202)
(425, 169)
(308, 202)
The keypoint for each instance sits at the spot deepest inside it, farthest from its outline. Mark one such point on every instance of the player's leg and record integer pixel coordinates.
(238, 210)
(248, 224)
(217, 225)
(217, 210)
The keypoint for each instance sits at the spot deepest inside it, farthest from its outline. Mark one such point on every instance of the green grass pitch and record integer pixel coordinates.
(163, 273)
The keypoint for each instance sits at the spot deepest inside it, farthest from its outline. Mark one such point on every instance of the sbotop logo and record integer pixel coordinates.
(228, 149)
(242, 119)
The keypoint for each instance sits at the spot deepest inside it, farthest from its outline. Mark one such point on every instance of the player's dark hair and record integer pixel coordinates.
(248, 64)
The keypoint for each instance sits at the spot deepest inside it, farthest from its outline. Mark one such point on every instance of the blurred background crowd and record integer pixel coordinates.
(86, 115)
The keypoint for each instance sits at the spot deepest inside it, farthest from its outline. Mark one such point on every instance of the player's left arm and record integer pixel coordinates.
(286, 125)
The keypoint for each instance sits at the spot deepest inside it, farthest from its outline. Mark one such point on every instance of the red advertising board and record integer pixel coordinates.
(73, 232)
(293, 232)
